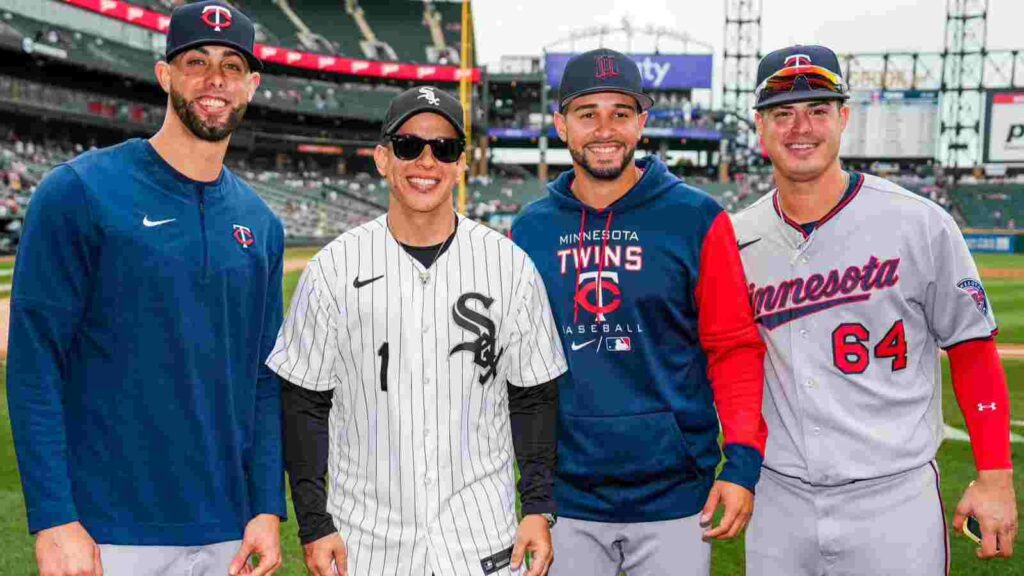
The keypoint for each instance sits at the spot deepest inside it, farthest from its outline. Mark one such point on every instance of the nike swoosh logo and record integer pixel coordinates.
(150, 223)
(745, 244)
(576, 346)
(357, 283)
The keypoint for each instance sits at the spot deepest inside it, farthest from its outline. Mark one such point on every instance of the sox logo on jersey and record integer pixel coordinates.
(420, 463)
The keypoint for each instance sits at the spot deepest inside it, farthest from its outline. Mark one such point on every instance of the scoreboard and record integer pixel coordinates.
(892, 124)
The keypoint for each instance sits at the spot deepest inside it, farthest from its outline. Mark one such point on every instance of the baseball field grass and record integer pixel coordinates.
(955, 459)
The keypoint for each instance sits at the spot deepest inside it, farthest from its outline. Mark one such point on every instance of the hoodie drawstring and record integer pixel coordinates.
(579, 261)
(600, 260)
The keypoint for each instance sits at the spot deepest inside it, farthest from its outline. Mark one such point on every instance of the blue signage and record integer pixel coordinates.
(998, 243)
(650, 131)
(660, 71)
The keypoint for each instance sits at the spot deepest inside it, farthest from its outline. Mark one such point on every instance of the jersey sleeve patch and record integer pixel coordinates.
(976, 291)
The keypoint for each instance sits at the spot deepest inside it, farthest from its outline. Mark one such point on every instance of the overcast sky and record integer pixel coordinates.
(525, 27)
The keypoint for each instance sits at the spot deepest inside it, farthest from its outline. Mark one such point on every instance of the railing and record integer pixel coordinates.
(29, 94)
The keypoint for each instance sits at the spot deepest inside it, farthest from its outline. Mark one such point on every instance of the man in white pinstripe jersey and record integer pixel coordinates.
(429, 340)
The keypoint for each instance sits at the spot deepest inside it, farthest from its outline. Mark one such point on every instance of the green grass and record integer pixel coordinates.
(999, 260)
(291, 280)
(18, 553)
(1007, 297)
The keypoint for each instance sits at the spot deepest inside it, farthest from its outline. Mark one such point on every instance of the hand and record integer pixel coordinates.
(263, 537)
(991, 500)
(534, 535)
(67, 550)
(326, 556)
(738, 503)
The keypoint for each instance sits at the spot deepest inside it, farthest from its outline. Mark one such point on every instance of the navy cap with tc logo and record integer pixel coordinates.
(602, 70)
(211, 22)
(799, 74)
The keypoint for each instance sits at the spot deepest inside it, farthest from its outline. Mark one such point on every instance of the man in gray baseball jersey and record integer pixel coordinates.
(429, 340)
(856, 284)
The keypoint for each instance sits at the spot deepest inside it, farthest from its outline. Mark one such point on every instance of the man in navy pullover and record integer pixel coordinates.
(147, 294)
(647, 288)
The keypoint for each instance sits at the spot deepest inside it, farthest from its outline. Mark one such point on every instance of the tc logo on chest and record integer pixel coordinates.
(243, 235)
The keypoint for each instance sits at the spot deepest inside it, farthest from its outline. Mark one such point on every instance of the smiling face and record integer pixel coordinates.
(423, 184)
(802, 139)
(209, 89)
(601, 131)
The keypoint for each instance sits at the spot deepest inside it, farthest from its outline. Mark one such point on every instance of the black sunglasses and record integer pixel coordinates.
(408, 147)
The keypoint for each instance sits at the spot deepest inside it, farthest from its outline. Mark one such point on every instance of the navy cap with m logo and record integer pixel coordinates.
(602, 70)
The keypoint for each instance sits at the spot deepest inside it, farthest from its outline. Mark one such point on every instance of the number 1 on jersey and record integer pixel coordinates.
(851, 356)
(383, 353)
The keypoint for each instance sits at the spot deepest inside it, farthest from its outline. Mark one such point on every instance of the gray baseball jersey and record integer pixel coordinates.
(421, 473)
(853, 316)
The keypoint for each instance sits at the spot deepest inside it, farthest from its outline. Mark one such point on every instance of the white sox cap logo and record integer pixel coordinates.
(427, 94)
(217, 17)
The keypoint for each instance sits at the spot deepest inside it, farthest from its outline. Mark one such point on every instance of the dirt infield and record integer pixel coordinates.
(295, 264)
(987, 273)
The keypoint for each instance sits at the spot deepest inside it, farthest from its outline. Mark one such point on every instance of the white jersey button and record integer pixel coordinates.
(817, 429)
(804, 333)
(810, 384)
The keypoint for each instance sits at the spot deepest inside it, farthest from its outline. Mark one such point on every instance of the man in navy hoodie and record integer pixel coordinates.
(147, 294)
(647, 288)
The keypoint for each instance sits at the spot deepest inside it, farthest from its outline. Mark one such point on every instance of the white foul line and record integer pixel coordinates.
(961, 436)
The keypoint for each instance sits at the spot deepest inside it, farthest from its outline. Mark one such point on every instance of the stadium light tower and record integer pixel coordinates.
(963, 74)
(741, 53)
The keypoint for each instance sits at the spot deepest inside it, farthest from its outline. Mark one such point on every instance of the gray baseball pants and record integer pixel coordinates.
(889, 526)
(665, 548)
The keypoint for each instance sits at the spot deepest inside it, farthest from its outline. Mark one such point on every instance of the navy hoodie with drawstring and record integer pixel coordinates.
(651, 302)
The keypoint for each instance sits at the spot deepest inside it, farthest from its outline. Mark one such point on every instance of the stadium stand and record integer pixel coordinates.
(311, 204)
(418, 32)
(991, 205)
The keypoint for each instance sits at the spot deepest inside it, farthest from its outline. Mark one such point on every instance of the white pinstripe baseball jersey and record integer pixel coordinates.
(853, 316)
(421, 474)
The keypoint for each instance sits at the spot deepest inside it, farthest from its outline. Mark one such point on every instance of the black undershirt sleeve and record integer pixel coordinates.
(534, 416)
(306, 450)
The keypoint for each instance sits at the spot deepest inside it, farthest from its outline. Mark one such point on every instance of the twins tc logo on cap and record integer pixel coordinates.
(797, 60)
(427, 93)
(243, 235)
(606, 66)
(216, 17)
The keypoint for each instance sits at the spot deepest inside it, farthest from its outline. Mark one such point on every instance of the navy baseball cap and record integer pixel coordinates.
(799, 74)
(211, 22)
(419, 99)
(602, 70)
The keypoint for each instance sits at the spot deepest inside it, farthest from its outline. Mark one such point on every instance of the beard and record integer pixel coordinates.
(579, 157)
(185, 111)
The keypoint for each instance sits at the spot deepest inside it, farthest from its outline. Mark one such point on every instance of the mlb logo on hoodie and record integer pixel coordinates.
(619, 344)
